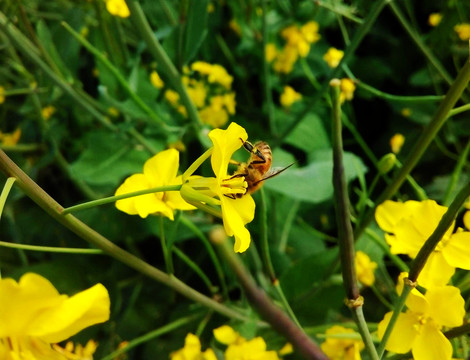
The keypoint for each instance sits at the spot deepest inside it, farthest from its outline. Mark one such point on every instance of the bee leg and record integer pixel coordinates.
(231, 196)
(236, 175)
(234, 162)
(251, 149)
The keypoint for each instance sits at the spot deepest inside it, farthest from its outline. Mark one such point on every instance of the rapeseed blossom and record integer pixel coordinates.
(209, 87)
(463, 31)
(160, 170)
(192, 350)
(419, 329)
(118, 8)
(34, 316)
(218, 195)
(396, 143)
(289, 96)
(2, 94)
(434, 19)
(47, 112)
(408, 225)
(342, 344)
(156, 80)
(347, 88)
(365, 268)
(333, 57)
(10, 139)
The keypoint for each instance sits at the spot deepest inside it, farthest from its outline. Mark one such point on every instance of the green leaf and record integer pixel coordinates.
(313, 183)
(107, 159)
(195, 30)
(309, 135)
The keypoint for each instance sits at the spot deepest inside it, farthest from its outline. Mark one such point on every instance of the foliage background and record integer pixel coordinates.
(76, 155)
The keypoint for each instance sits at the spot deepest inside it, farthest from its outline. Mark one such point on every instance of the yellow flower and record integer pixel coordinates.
(342, 344)
(156, 80)
(419, 328)
(406, 112)
(172, 97)
(215, 72)
(365, 268)
(270, 52)
(463, 31)
(47, 112)
(160, 170)
(300, 39)
(240, 348)
(466, 219)
(396, 143)
(78, 352)
(2, 94)
(219, 194)
(192, 350)
(434, 19)
(409, 225)
(117, 8)
(333, 56)
(347, 89)
(10, 139)
(285, 60)
(289, 96)
(34, 315)
(198, 93)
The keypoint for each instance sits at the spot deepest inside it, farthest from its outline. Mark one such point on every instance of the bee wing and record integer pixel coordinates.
(273, 172)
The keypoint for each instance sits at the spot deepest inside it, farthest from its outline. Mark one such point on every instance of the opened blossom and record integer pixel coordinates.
(34, 316)
(408, 225)
(160, 170)
(342, 344)
(419, 329)
(224, 195)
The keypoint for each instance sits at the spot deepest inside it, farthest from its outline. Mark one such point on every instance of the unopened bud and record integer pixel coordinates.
(386, 163)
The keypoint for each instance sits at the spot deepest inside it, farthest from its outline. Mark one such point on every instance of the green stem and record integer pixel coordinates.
(4, 195)
(52, 249)
(459, 110)
(447, 219)
(456, 174)
(271, 313)
(150, 336)
(117, 74)
(110, 199)
(164, 63)
(395, 259)
(419, 191)
(265, 254)
(267, 73)
(309, 74)
(195, 267)
(402, 98)
(358, 316)
(166, 251)
(55, 210)
(288, 225)
(423, 142)
(195, 165)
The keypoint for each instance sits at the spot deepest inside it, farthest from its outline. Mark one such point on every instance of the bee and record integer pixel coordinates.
(258, 167)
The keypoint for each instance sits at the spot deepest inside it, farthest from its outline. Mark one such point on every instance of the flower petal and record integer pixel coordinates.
(84, 309)
(133, 183)
(389, 213)
(226, 335)
(162, 168)
(174, 199)
(404, 333)
(431, 344)
(457, 250)
(226, 142)
(446, 305)
(436, 271)
(236, 213)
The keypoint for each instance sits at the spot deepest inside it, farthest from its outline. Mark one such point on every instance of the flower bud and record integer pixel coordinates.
(386, 163)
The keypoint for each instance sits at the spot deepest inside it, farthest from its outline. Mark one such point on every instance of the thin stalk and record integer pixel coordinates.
(117, 74)
(431, 243)
(419, 191)
(271, 313)
(457, 331)
(215, 260)
(164, 63)
(402, 98)
(55, 210)
(151, 336)
(267, 74)
(459, 110)
(265, 254)
(110, 199)
(52, 249)
(423, 142)
(196, 268)
(166, 251)
(309, 74)
(343, 220)
(5, 192)
(456, 174)
(288, 225)
(195, 165)
(359, 35)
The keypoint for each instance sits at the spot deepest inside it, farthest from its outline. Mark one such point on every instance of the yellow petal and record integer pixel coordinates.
(226, 142)
(466, 219)
(236, 213)
(457, 250)
(389, 213)
(133, 183)
(403, 334)
(226, 335)
(22, 302)
(174, 199)
(446, 305)
(431, 344)
(162, 168)
(436, 271)
(84, 309)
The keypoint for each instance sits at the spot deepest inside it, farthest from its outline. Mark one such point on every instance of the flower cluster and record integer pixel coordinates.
(10, 139)
(333, 56)
(297, 44)
(289, 96)
(215, 195)
(238, 348)
(35, 316)
(118, 8)
(365, 268)
(408, 225)
(347, 88)
(463, 31)
(342, 344)
(210, 88)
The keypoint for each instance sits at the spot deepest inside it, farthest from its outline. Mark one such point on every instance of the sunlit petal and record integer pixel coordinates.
(161, 169)
(133, 183)
(226, 335)
(457, 250)
(233, 217)
(436, 271)
(431, 344)
(389, 213)
(446, 305)
(404, 333)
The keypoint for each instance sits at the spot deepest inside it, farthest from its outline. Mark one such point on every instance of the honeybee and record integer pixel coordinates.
(258, 167)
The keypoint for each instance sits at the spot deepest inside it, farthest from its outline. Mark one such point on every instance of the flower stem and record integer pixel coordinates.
(166, 251)
(456, 174)
(54, 249)
(195, 165)
(271, 313)
(402, 98)
(163, 61)
(4, 195)
(343, 220)
(55, 210)
(110, 199)
(423, 142)
(196, 268)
